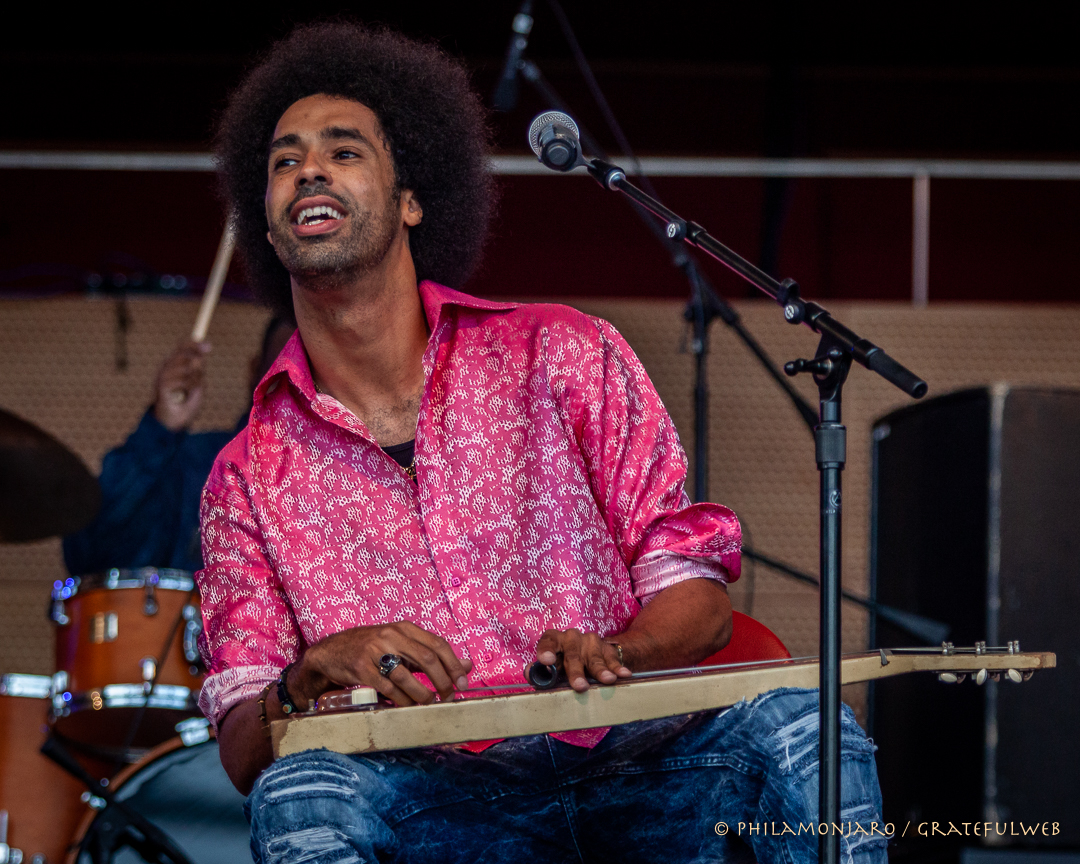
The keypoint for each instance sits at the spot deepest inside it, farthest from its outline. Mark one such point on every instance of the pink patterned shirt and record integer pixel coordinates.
(549, 494)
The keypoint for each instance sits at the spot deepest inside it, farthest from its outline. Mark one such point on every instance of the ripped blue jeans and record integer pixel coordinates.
(732, 786)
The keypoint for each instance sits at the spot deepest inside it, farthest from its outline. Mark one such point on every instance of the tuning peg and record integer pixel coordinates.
(1014, 676)
(981, 676)
(948, 677)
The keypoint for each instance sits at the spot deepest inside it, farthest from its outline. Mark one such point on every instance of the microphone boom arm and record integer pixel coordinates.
(786, 293)
(705, 302)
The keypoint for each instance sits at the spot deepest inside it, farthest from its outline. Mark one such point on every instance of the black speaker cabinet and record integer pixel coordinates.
(976, 523)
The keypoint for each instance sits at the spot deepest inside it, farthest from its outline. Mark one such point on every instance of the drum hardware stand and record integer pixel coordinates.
(182, 620)
(830, 365)
(924, 629)
(121, 824)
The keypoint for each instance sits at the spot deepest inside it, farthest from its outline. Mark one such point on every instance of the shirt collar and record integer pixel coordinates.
(435, 296)
(293, 359)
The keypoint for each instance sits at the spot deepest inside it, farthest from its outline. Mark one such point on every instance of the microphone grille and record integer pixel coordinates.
(542, 120)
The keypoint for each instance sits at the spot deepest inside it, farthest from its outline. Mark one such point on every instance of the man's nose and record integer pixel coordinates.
(312, 170)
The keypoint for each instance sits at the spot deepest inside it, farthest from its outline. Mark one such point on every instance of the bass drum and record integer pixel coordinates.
(185, 792)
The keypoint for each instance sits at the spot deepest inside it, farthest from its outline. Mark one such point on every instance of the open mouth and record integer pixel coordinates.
(316, 216)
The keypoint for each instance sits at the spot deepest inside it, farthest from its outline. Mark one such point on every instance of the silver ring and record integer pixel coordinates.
(388, 663)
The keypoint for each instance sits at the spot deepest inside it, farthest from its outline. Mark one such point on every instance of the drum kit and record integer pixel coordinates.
(109, 758)
(122, 704)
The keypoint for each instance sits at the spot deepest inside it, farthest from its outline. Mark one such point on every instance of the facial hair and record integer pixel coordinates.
(327, 261)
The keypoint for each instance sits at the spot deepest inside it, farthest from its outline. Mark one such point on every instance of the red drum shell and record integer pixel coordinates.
(43, 801)
(107, 627)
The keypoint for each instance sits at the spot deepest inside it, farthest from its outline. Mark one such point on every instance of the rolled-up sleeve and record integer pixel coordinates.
(249, 631)
(637, 470)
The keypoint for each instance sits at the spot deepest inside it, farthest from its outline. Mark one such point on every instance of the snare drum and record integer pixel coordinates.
(41, 800)
(185, 792)
(110, 629)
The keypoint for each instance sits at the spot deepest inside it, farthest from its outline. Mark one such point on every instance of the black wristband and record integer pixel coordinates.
(287, 704)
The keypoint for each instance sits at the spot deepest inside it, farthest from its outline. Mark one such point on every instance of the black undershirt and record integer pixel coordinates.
(402, 453)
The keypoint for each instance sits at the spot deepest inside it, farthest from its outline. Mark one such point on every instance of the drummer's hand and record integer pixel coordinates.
(582, 654)
(178, 393)
(351, 658)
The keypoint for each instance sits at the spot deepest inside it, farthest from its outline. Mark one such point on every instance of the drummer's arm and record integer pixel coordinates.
(137, 507)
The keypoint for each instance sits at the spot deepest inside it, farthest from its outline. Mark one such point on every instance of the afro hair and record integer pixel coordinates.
(432, 122)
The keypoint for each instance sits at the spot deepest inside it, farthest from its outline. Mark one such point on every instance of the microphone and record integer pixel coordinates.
(506, 91)
(554, 138)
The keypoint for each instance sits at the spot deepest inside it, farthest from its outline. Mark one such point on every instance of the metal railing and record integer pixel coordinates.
(919, 170)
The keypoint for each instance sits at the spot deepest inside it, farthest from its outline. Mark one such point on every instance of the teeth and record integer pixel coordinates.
(315, 214)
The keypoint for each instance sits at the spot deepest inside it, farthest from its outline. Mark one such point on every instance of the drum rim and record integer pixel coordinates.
(169, 697)
(21, 678)
(118, 578)
(116, 784)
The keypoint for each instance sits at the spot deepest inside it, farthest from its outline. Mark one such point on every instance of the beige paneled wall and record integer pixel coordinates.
(59, 370)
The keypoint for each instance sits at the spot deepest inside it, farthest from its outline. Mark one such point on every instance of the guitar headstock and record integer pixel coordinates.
(980, 662)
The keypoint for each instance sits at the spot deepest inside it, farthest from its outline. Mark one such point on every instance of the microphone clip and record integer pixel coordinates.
(606, 174)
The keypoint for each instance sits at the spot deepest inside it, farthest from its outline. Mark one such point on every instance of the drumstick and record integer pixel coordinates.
(214, 283)
(211, 295)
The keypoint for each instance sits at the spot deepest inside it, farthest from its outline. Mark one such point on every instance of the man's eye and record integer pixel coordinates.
(347, 154)
(283, 162)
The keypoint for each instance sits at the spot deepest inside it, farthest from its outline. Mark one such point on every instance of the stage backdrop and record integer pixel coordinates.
(63, 368)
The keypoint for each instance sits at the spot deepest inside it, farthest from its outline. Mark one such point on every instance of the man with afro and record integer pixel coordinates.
(435, 491)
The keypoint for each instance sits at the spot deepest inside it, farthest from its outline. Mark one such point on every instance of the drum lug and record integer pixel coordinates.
(62, 591)
(148, 667)
(150, 604)
(7, 854)
(94, 801)
(193, 731)
(192, 628)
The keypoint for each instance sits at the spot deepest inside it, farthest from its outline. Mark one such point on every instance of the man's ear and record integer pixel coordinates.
(411, 211)
(270, 237)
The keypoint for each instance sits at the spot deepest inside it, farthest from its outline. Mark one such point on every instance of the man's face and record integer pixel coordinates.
(331, 203)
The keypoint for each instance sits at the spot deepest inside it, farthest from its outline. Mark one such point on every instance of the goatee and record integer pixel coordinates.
(328, 261)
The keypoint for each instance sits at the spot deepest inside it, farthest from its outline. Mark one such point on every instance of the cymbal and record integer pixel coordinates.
(45, 489)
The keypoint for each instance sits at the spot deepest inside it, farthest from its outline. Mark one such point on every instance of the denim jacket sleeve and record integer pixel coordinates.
(149, 496)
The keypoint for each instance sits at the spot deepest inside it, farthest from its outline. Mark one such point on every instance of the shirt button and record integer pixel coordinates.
(455, 582)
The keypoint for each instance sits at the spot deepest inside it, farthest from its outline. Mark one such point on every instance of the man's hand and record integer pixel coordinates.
(178, 393)
(682, 626)
(582, 654)
(351, 658)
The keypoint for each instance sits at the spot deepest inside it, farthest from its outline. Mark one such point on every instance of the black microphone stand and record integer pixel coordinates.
(837, 348)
